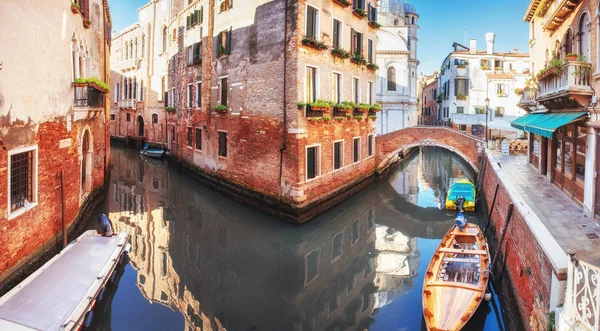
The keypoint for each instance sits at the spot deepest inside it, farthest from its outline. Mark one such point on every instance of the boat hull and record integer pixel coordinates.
(157, 154)
(463, 188)
(456, 279)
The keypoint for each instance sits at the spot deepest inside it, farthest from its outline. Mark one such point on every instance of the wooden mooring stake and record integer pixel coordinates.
(63, 207)
(504, 229)
(487, 225)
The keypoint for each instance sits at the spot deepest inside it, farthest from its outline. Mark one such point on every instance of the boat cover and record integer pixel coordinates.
(462, 189)
(51, 295)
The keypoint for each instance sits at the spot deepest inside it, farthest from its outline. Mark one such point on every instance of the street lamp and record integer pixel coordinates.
(487, 106)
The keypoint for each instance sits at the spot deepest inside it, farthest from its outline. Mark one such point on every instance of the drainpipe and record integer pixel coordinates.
(284, 124)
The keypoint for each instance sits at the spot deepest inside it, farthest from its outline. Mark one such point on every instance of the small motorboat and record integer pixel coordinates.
(461, 189)
(456, 279)
(156, 153)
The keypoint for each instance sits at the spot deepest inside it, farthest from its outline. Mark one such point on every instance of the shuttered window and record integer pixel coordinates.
(311, 84)
(461, 86)
(356, 89)
(356, 150)
(198, 95)
(224, 47)
(337, 88)
(370, 141)
(223, 144)
(312, 19)
(356, 42)
(312, 162)
(189, 137)
(338, 158)
(370, 58)
(337, 33)
(198, 139)
(224, 91)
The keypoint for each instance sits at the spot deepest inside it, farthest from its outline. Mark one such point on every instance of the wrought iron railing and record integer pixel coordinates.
(88, 96)
(582, 304)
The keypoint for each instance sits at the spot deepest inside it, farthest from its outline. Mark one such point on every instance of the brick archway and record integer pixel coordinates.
(391, 144)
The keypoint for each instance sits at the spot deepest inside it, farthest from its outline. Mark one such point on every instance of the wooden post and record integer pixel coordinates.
(487, 225)
(507, 220)
(62, 196)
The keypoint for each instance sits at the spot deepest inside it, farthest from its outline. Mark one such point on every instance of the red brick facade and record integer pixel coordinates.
(429, 111)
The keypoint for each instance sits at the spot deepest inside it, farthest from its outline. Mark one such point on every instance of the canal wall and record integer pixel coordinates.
(531, 269)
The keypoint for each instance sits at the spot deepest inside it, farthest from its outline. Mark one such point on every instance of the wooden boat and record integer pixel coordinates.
(456, 279)
(462, 188)
(156, 153)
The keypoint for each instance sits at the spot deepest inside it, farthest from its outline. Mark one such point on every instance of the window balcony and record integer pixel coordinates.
(557, 13)
(131, 64)
(88, 101)
(127, 104)
(527, 101)
(569, 89)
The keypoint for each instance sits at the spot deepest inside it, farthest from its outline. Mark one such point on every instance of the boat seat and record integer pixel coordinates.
(456, 259)
(463, 251)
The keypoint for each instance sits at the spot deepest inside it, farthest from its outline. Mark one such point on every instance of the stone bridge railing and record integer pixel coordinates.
(390, 144)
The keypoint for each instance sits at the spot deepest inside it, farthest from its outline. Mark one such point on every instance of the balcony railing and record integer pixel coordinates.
(569, 89)
(88, 96)
(127, 103)
(467, 119)
(528, 99)
(130, 64)
(557, 12)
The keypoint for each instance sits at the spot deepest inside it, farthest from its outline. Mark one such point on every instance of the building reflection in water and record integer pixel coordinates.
(226, 266)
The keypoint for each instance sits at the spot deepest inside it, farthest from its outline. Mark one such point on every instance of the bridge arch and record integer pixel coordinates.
(391, 144)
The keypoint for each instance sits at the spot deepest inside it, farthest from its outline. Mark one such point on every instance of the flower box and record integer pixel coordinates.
(374, 25)
(343, 3)
(313, 43)
(87, 23)
(321, 105)
(220, 108)
(340, 119)
(358, 59)
(372, 67)
(341, 53)
(359, 13)
(75, 8)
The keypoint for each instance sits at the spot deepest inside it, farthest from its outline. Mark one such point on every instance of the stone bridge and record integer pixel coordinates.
(391, 144)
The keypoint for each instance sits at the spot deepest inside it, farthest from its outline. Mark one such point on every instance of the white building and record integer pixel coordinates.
(397, 61)
(468, 77)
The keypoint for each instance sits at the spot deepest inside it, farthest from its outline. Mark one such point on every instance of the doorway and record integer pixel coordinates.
(140, 126)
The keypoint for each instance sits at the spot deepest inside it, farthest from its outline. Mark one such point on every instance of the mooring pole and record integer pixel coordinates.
(487, 225)
(504, 229)
(62, 196)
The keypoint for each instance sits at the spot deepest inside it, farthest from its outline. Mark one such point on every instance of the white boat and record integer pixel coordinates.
(61, 294)
(156, 153)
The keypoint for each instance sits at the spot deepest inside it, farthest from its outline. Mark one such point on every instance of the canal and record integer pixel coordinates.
(201, 261)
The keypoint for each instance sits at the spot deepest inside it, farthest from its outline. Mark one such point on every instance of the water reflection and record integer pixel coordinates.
(204, 262)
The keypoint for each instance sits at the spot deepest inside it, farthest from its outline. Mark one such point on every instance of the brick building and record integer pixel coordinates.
(428, 99)
(564, 88)
(54, 120)
(257, 62)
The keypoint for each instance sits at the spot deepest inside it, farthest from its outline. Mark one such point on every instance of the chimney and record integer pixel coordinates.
(490, 38)
(516, 50)
(473, 46)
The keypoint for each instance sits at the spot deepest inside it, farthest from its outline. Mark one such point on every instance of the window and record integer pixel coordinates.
(128, 117)
(190, 55)
(154, 118)
(370, 139)
(225, 5)
(372, 13)
(336, 91)
(356, 150)
(311, 265)
(164, 49)
(370, 92)
(356, 89)
(189, 95)
(312, 162)
(337, 34)
(312, 22)
(224, 91)
(338, 155)
(356, 42)
(460, 110)
(198, 91)
(224, 47)
(391, 79)
(199, 139)
(189, 137)
(222, 144)
(501, 90)
(22, 179)
(355, 228)
(358, 4)
(499, 111)
(584, 39)
(370, 58)
(485, 64)
(498, 65)
(462, 127)
(112, 117)
(311, 84)
(462, 86)
(337, 243)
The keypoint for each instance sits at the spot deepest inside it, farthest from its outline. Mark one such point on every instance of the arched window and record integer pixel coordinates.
(143, 44)
(165, 39)
(396, 22)
(557, 49)
(135, 55)
(391, 79)
(117, 92)
(413, 20)
(142, 91)
(584, 37)
(568, 42)
(154, 118)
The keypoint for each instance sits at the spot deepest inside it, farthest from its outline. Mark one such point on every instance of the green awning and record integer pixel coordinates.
(544, 124)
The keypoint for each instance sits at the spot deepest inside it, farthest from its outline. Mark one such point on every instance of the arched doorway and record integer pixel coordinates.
(86, 163)
(140, 126)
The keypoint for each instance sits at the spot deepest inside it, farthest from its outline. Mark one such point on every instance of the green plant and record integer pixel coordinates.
(344, 3)
(340, 52)
(301, 104)
(449, 123)
(375, 25)
(581, 58)
(360, 12)
(551, 321)
(518, 91)
(581, 70)
(86, 21)
(375, 107)
(345, 105)
(373, 117)
(372, 67)
(170, 109)
(349, 116)
(314, 119)
(573, 54)
(461, 97)
(543, 8)
(314, 43)
(498, 68)
(321, 103)
(339, 118)
(220, 108)
(92, 80)
(485, 67)
(222, 50)
(363, 106)
(359, 117)
(75, 5)
(326, 118)
(357, 58)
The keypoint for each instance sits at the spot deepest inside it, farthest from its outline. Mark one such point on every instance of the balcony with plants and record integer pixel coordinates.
(314, 43)
(340, 53)
(343, 3)
(565, 84)
(88, 97)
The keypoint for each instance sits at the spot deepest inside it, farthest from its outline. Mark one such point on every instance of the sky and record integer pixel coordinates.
(441, 22)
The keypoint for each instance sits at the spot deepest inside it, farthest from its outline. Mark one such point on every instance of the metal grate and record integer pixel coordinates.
(21, 182)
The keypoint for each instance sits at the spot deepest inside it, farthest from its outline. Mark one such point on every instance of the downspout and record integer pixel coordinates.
(284, 124)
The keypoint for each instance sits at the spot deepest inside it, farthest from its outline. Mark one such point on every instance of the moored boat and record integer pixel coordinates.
(462, 188)
(156, 153)
(456, 279)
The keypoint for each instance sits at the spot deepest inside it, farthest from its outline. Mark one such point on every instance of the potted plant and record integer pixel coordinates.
(314, 43)
(169, 109)
(375, 107)
(301, 105)
(373, 117)
(374, 25)
(358, 59)
(572, 57)
(326, 118)
(93, 82)
(321, 105)
(363, 106)
(359, 12)
(345, 106)
(87, 23)
(359, 117)
(518, 91)
(461, 97)
(74, 8)
(340, 118)
(222, 51)
(349, 116)
(340, 52)
(485, 67)
(343, 3)
(313, 120)
(220, 108)
(372, 67)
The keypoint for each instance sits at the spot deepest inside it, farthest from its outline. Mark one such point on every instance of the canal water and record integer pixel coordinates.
(201, 261)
